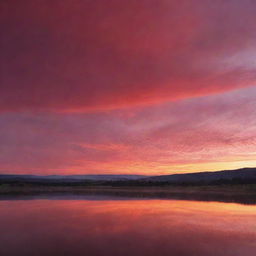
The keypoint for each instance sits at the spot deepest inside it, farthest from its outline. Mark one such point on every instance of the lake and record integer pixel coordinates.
(102, 226)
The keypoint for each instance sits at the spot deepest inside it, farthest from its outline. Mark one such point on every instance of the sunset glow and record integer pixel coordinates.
(127, 87)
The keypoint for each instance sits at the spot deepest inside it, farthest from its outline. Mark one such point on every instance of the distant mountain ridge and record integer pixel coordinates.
(244, 175)
(67, 178)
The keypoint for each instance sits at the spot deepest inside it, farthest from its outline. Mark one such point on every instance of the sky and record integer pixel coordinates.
(127, 87)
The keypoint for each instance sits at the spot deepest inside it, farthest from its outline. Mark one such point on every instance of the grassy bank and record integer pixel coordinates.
(210, 193)
(234, 189)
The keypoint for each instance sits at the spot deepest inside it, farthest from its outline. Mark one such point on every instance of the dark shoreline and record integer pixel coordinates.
(243, 194)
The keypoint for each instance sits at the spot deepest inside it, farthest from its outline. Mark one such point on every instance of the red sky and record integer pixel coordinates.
(149, 86)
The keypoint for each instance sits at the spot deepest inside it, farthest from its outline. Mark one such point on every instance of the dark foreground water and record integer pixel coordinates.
(114, 226)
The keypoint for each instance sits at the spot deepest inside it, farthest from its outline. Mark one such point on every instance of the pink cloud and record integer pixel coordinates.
(219, 128)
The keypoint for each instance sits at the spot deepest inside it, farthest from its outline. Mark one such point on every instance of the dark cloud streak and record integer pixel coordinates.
(90, 55)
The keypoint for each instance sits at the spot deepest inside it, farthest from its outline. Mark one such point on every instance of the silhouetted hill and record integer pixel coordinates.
(242, 175)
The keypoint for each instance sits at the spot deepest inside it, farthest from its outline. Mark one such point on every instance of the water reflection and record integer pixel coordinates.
(126, 227)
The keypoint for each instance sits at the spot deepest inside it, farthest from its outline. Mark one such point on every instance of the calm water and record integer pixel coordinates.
(113, 226)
